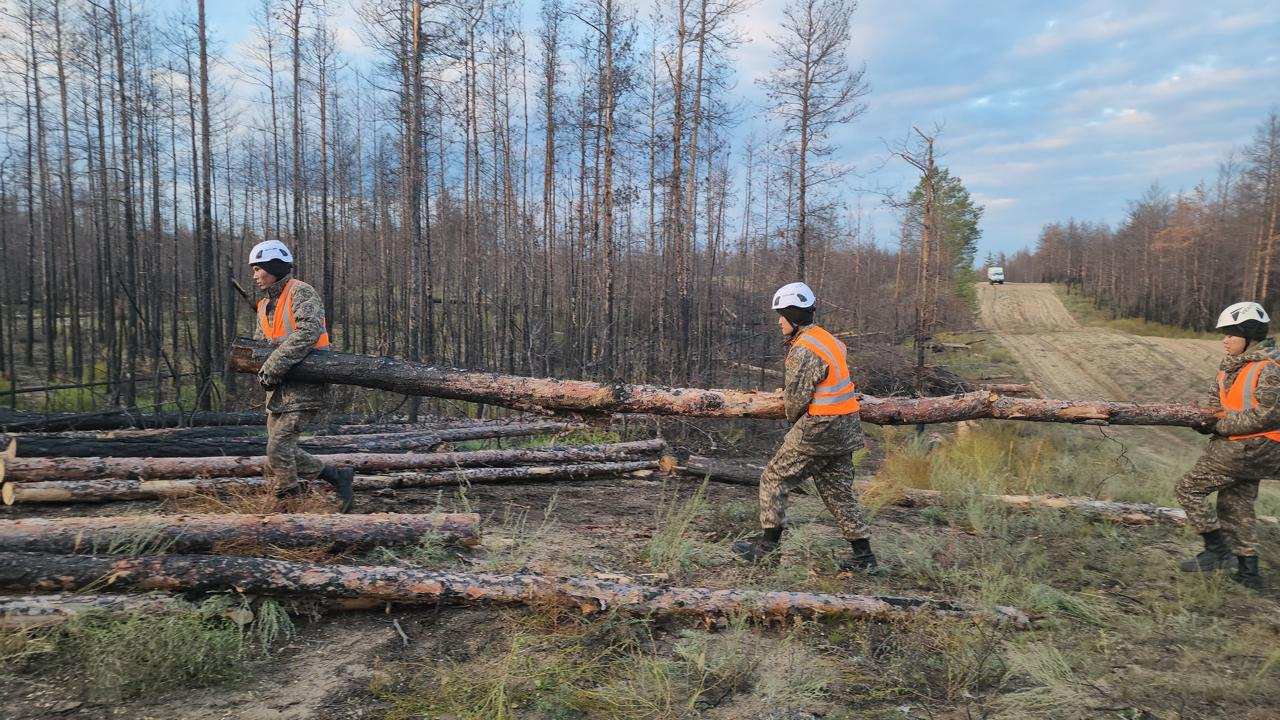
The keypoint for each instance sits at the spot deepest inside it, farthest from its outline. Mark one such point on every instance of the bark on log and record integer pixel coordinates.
(120, 490)
(80, 469)
(37, 446)
(1123, 512)
(202, 533)
(21, 612)
(499, 476)
(185, 433)
(48, 573)
(121, 419)
(411, 378)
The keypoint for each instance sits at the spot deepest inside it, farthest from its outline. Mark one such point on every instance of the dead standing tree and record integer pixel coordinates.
(814, 88)
(921, 157)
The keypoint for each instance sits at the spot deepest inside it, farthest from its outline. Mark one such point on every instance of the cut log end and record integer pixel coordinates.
(10, 447)
(7, 493)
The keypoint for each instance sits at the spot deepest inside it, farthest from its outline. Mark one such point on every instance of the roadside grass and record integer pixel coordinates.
(1086, 312)
(122, 656)
(985, 360)
(619, 669)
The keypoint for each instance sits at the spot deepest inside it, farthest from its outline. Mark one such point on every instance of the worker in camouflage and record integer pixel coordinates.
(822, 406)
(1244, 448)
(291, 315)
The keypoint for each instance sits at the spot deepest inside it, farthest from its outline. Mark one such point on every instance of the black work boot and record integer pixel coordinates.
(760, 547)
(341, 480)
(863, 560)
(1215, 556)
(1247, 572)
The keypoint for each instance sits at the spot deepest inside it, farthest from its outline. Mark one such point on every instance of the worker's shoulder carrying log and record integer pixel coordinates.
(283, 320)
(1242, 395)
(836, 394)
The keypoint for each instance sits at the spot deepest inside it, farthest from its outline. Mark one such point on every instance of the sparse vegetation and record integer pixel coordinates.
(114, 657)
(1088, 311)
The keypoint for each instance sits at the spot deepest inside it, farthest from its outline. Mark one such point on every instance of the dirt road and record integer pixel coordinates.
(1070, 361)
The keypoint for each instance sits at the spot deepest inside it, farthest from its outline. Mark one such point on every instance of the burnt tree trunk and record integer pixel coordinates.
(202, 533)
(118, 490)
(68, 573)
(201, 447)
(103, 468)
(20, 612)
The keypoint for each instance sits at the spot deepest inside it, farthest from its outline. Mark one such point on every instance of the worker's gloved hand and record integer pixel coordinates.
(267, 380)
(1205, 429)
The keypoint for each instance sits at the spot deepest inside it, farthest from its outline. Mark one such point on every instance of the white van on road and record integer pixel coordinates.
(995, 275)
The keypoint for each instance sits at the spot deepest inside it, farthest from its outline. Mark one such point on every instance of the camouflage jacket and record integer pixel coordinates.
(308, 309)
(814, 434)
(1247, 459)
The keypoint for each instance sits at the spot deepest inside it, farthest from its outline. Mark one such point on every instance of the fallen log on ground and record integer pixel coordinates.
(418, 440)
(505, 475)
(1127, 513)
(202, 533)
(412, 378)
(202, 573)
(118, 419)
(80, 469)
(191, 433)
(86, 491)
(20, 612)
(1122, 512)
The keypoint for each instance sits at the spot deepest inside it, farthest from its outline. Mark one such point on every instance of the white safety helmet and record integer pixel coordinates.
(269, 250)
(796, 294)
(1242, 311)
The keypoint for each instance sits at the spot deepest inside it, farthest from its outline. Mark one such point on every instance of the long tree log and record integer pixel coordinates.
(21, 612)
(1122, 512)
(120, 419)
(85, 491)
(188, 433)
(37, 446)
(1127, 513)
(79, 469)
(412, 378)
(48, 573)
(202, 533)
(123, 419)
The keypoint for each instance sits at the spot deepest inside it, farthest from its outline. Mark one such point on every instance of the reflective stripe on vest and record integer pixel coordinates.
(282, 321)
(1242, 395)
(836, 394)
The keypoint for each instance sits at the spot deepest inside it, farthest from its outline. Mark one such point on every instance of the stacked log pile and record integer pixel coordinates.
(43, 480)
(204, 444)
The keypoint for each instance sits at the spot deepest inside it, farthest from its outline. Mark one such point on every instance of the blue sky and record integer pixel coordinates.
(1050, 110)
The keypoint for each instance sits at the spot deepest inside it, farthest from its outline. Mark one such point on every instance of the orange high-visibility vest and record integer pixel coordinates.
(282, 322)
(1242, 395)
(836, 394)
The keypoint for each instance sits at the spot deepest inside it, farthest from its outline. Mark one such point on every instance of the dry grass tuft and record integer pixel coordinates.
(316, 498)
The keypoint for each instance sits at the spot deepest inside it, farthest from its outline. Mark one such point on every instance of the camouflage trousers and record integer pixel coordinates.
(833, 476)
(286, 462)
(1234, 514)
